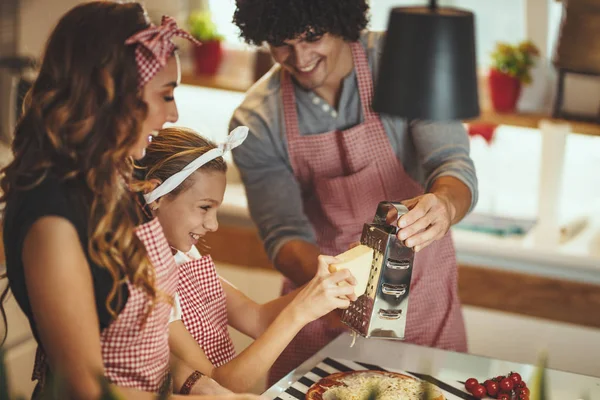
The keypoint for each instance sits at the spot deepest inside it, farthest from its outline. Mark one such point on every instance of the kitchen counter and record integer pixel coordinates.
(444, 365)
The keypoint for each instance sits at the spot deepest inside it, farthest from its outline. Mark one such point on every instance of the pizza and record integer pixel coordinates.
(372, 385)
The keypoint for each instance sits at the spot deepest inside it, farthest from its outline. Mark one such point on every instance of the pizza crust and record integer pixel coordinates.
(337, 386)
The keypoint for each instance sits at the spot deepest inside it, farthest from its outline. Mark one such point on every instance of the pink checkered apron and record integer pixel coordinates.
(343, 176)
(136, 355)
(204, 309)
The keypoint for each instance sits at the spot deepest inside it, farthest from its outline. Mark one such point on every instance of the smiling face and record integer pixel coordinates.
(312, 61)
(158, 95)
(188, 215)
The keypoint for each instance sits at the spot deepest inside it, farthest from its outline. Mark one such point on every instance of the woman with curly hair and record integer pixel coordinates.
(95, 278)
(318, 160)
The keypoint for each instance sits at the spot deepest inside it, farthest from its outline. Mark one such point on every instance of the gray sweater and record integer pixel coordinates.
(427, 151)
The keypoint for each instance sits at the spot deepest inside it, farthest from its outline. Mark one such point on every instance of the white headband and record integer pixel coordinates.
(235, 138)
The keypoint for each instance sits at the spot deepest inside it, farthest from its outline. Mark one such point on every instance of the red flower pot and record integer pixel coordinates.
(207, 58)
(504, 91)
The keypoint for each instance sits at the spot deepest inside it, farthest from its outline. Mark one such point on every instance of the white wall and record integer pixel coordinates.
(38, 18)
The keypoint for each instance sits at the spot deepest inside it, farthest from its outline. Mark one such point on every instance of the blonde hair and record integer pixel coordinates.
(170, 152)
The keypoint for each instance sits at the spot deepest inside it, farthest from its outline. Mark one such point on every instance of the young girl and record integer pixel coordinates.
(94, 278)
(186, 174)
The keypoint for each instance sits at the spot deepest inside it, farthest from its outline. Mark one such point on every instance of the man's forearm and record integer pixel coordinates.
(456, 193)
(297, 260)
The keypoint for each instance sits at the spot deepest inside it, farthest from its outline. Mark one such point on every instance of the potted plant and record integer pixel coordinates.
(510, 69)
(207, 58)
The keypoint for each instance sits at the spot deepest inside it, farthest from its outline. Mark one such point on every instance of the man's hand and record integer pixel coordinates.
(429, 218)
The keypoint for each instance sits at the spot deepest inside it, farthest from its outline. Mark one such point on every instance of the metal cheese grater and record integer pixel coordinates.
(381, 310)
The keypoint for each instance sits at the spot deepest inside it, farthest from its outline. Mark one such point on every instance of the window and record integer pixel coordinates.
(222, 11)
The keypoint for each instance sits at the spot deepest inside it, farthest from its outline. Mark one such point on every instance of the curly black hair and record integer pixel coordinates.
(275, 21)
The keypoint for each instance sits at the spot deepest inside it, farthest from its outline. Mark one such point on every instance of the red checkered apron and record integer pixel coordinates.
(343, 176)
(204, 309)
(136, 355)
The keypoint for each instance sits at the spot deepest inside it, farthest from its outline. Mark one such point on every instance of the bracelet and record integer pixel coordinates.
(190, 381)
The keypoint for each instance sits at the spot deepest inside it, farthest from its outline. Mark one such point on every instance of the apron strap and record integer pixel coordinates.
(290, 113)
(364, 79)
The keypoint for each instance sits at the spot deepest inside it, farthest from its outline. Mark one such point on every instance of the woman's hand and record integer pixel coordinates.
(323, 294)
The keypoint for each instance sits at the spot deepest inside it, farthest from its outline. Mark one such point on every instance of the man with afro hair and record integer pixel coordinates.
(318, 160)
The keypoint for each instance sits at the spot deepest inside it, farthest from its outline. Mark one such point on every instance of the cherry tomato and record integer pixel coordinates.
(522, 384)
(504, 396)
(491, 387)
(499, 378)
(470, 384)
(479, 391)
(506, 384)
(523, 397)
(523, 391)
(516, 378)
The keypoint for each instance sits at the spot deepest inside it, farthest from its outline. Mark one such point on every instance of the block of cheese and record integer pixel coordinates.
(358, 260)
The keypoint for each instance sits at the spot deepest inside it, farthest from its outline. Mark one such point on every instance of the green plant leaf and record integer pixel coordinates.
(515, 61)
(202, 27)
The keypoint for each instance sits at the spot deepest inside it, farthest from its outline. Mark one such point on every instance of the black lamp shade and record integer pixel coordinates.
(428, 69)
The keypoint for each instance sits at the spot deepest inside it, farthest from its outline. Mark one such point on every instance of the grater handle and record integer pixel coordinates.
(382, 215)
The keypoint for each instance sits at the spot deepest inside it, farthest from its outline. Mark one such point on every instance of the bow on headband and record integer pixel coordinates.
(235, 138)
(154, 47)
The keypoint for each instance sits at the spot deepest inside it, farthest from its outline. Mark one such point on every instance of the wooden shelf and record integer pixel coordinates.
(525, 120)
(532, 121)
(237, 73)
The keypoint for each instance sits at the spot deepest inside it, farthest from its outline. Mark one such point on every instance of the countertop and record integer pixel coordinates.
(445, 365)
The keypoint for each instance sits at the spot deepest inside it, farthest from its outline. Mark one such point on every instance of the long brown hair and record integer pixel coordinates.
(172, 150)
(80, 120)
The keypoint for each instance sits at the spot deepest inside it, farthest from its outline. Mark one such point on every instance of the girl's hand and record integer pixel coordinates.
(208, 386)
(322, 294)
